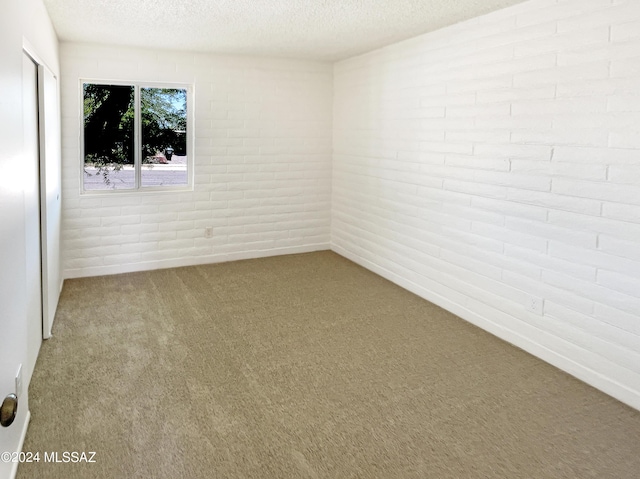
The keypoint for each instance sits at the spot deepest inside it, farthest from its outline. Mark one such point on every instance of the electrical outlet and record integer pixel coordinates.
(535, 304)
(19, 381)
(208, 232)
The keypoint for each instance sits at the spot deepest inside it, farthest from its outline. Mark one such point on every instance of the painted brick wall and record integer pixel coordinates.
(262, 164)
(499, 159)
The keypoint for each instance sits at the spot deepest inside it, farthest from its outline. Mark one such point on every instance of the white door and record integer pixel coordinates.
(32, 212)
(50, 185)
(13, 328)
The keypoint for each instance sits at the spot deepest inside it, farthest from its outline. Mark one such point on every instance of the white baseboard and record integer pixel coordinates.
(191, 261)
(23, 435)
(549, 350)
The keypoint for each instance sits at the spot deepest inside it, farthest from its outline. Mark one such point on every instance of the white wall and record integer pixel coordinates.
(38, 30)
(23, 19)
(262, 164)
(500, 158)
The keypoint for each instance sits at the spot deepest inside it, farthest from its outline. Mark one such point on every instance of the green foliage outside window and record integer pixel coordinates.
(109, 125)
(164, 120)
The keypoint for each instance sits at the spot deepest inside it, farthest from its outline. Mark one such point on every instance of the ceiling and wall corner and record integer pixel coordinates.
(326, 30)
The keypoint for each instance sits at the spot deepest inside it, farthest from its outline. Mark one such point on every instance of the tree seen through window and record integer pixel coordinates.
(116, 156)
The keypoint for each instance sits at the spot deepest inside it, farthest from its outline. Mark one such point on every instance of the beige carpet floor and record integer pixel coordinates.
(303, 366)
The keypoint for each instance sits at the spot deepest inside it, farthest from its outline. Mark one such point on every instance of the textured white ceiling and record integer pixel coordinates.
(312, 29)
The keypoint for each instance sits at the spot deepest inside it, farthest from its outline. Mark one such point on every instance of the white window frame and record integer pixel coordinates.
(138, 188)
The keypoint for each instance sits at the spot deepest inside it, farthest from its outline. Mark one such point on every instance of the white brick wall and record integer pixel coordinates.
(262, 164)
(500, 158)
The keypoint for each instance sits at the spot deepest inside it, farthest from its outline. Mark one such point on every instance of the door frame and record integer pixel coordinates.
(49, 279)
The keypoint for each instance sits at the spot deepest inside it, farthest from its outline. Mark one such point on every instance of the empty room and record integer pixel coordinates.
(320, 239)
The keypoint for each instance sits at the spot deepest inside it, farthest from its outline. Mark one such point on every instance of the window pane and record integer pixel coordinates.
(163, 112)
(108, 137)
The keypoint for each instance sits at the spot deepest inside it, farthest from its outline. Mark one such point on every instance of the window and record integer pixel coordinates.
(135, 136)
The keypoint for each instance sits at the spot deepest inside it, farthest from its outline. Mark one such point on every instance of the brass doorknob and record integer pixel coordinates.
(8, 410)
